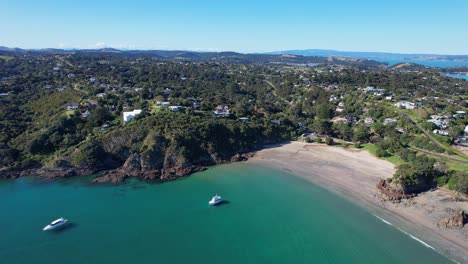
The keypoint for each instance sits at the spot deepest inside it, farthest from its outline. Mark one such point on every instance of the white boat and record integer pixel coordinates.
(55, 224)
(215, 200)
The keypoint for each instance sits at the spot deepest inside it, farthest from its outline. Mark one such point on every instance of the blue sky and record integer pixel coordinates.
(411, 26)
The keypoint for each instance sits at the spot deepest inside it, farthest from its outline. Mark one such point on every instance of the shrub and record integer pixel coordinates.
(381, 153)
(318, 140)
(329, 141)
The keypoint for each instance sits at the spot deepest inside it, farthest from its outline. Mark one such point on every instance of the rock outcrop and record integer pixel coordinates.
(48, 173)
(148, 167)
(393, 193)
(457, 220)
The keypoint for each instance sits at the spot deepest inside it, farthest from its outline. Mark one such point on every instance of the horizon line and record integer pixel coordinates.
(284, 51)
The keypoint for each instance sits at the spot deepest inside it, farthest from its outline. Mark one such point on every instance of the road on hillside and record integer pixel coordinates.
(438, 155)
(422, 130)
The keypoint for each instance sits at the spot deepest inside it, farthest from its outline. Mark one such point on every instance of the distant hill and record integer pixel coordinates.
(225, 56)
(372, 55)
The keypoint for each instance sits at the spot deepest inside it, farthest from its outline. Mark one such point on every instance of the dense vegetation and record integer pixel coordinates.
(283, 98)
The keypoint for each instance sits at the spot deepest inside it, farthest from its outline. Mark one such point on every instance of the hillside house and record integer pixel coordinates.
(175, 108)
(221, 111)
(388, 121)
(127, 116)
(405, 105)
(73, 106)
(441, 132)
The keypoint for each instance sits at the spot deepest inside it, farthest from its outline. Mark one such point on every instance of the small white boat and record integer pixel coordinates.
(215, 200)
(55, 224)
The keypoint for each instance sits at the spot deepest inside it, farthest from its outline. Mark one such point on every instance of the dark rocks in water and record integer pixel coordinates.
(457, 220)
(393, 193)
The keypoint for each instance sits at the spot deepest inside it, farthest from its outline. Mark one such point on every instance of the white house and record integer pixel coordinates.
(389, 121)
(127, 116)
(73, 106)
(406, 105)
(441, 132)
(221, 111)
(175, 108)
(369, 121)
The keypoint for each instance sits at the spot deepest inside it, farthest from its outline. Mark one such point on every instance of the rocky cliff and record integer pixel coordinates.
(393, 192)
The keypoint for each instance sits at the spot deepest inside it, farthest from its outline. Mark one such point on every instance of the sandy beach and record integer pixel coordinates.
(354, 175)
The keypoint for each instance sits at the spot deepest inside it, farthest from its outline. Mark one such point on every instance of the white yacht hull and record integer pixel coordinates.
(51, 227)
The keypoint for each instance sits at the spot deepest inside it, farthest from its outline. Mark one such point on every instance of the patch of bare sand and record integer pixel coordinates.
(354, 174)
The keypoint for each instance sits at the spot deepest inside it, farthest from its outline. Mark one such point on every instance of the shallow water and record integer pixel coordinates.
(269, 217)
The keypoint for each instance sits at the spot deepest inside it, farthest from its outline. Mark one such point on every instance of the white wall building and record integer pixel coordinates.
(127, 116)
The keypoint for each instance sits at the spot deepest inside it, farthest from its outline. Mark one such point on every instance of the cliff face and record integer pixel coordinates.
(150, 167)
(393, 192)
(457, 220)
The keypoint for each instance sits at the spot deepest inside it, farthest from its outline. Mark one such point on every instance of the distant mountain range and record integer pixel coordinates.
(225, 56)
(372, 55)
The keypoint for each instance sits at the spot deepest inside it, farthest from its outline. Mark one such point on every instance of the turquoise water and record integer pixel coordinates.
(270, 217)
(429, 63)
(465, 77)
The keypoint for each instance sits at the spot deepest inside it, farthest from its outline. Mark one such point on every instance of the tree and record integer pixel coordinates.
(361, 134)
(461, 182)
(322, 126)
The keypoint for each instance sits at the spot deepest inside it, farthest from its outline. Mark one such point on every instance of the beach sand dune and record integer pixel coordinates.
(354, 175)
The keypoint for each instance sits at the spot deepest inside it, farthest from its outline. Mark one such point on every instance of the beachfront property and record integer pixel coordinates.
(221, 111)
(405, 105)
(127, 116)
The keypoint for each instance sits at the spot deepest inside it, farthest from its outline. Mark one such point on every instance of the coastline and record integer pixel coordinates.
(354, 174)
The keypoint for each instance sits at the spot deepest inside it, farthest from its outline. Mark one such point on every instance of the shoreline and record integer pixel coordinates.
(353, 174)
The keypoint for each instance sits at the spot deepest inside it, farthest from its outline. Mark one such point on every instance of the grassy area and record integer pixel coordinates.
(154, 107)
(69, 113)
(457, 166)
(7, 58)
(372, 148)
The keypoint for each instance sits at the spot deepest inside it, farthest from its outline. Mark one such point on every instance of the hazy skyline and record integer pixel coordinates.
(243, 26)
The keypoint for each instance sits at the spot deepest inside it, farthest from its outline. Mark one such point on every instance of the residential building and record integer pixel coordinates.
(369, 121)
(127, 116)
(441, 132)
(175, 108)
(389, 121)
(73, 106)
(221, 111)
(405, 105)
